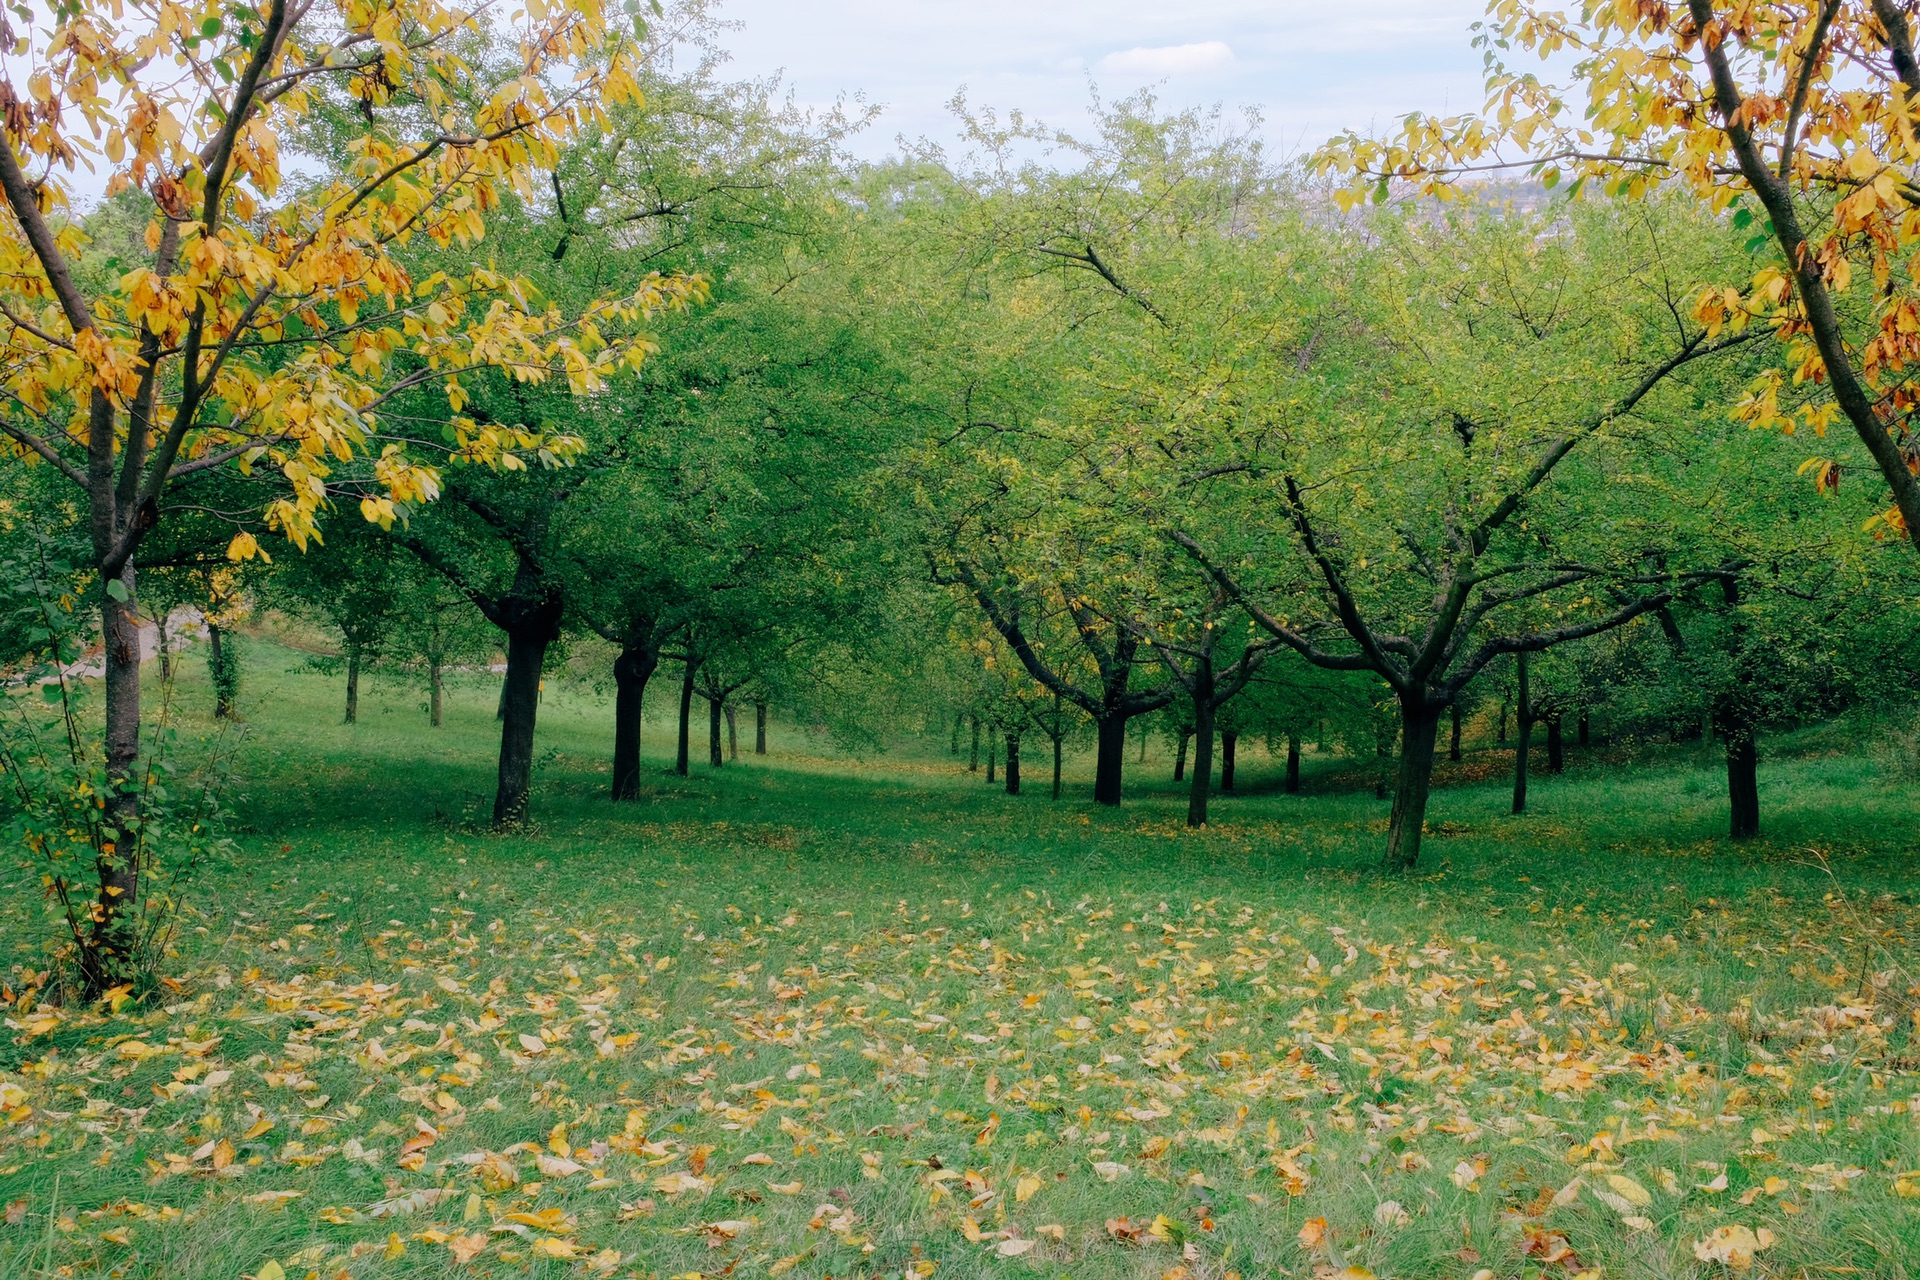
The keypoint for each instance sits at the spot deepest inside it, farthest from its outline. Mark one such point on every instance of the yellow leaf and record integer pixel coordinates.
(1025, 1189)
(1629, 1190)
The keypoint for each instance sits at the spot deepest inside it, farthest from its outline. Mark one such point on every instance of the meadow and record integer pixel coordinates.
(819, 1016)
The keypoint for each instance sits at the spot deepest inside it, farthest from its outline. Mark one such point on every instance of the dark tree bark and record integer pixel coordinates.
(222, 663)
(1110, 758)
(733, 740)
(1013, 764)
(760, 729)
(1502, 738)
(532, 625)
(631, 672)
(686, 716)
(973, 752)
(990, 760)
(1180, 757)
(1293, 764)
(714, 757)
(1204, 700)
(1419, 730)
(166, 650)
(1056, 766)
(436, 667)
(1556, 745)
(109, 946)
(1143, 744)
(353, 684)
(1453, 742)
(1525, 746)
(1743, 783)
(1229, 746)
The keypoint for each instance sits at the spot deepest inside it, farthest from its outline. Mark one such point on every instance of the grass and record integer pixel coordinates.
(823, 1017)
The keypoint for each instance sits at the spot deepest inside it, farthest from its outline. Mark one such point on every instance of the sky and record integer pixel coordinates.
(1312, 67)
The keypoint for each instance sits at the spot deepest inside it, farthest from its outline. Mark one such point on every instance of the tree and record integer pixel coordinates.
(266, 328)
(1794, 114)
(1433, 499)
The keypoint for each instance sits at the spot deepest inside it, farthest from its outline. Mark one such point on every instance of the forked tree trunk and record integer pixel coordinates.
(1556, 745)
(1453, 743)
(686, 717)
(1203, 736)
(1229, 745)
(353, 684)
(1743, 783)
(1056, 766)
(527, 643)
(107, 953)
(1013, 764)
(1110, 759)
(760, 730)
(631, 671)
(714, 708)
(1419, 730)
(1180, 756)
(1293, 764)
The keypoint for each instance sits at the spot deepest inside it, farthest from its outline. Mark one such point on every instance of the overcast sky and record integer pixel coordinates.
(1313, 67)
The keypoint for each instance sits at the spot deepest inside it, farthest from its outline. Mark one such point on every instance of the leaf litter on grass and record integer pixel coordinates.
(1112, 1088)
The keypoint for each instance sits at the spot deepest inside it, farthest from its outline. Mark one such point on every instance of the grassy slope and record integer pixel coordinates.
(1229, 1016)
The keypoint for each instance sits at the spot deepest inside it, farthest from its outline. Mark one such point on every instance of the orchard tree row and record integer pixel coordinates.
(459, 334)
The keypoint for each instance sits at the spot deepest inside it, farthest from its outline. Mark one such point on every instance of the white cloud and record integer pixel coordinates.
(1169, 60)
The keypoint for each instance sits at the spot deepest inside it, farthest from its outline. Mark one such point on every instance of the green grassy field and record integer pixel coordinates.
(823, 1017)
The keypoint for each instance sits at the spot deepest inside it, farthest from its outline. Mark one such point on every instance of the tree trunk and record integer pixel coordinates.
(714, 707)
(631, 671)
(1056, 766)
(353, 684)
(1143, 742)
(1013, 764)
(1203, 736)
(218, 656)
(733, 738)
(1293, 764)
(1743, 783)
(1419, 729)
(1556, 746)
(973, 752)
(1453, 743)
(686, 717)
(953, 744)
(107, 955)
(1584, 730)
(1228, 743)
(500, 711)
(990, 751)
(1502, 738)
(436, 665)
(760, 730)
(527, 645)
(1525, 746)
(1110, 759)
(1180, 757)
(166, 653)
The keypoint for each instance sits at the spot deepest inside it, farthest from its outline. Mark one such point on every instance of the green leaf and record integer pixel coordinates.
(212, 27)
(118, 590)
